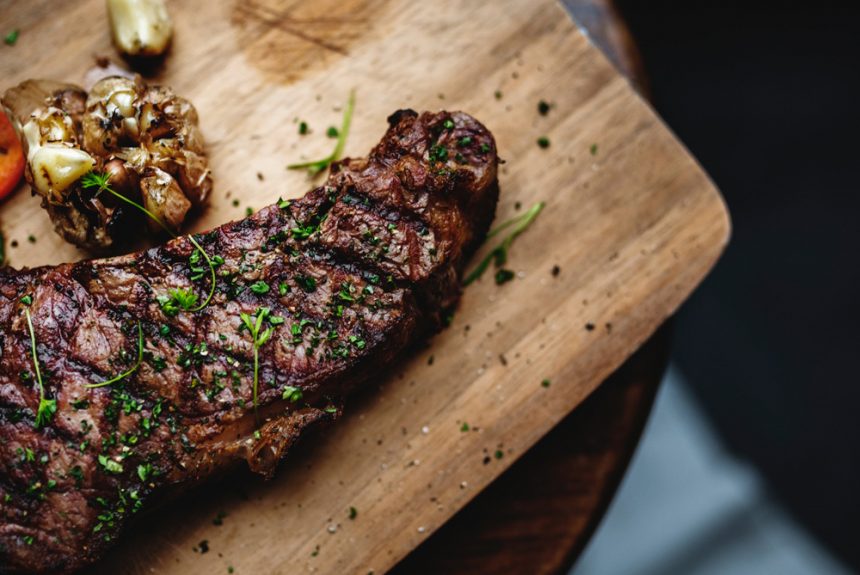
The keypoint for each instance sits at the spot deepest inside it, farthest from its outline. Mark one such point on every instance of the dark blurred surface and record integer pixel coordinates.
(767, 97)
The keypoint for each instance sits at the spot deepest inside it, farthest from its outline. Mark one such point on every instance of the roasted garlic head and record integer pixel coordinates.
(146, 138)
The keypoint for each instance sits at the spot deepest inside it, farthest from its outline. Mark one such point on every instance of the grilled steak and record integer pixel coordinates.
(342, 280)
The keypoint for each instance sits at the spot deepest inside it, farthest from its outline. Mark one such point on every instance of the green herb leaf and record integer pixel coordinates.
(109, 465)
(12, 37)
(260, 287)
(504, 276)
(144, 471)
(293, 394)
(46, 411)
(543, 108)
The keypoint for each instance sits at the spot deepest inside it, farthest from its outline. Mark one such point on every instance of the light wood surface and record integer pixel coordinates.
(538, 516)
(633, 229)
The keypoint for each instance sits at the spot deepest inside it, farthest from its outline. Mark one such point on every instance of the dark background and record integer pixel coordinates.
(766, 96)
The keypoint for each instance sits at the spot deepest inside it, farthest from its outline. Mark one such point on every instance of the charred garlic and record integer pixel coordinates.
(146, 138)
(140, 27)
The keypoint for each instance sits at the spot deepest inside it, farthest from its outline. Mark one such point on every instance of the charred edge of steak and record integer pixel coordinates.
(351, 274)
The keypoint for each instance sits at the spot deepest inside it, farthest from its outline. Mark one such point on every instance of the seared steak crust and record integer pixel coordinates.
(351, 274)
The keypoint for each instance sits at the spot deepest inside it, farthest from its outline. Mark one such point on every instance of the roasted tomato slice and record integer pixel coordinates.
(11, 157)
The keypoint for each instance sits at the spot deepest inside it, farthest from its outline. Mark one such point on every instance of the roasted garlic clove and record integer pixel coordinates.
(140, 27)
(163, 198)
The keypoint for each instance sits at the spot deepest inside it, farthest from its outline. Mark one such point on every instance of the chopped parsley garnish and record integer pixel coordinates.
(353, 512)
(546, 383)
(101, 181)
(12, 37)
(307, 283)
(503, 276)
(283, 288)
(331, 132)
(543, 142)
(303, 128)
(132, 369)
(304, 232)
(317, 166)
(543, 108)
(499, 254)
(449, 124)
(144, 471)
(260, 287)
(293, 394)
(593, 149)
(465, 427)
(439, 153)
(464, 141)
(109, 465)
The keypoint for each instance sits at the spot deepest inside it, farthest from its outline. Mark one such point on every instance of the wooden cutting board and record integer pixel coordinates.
(632, 223)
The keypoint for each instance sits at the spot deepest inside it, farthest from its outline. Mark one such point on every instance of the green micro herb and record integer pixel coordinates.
(12, 37)
(503, 276)
(178, 299)
(132, 369)
(101, 181)
(47, 407)
(317, 166)
(293, 394)
(109, 465)
(499, 254)
(144, 471)
(543, 108)
(259, 336)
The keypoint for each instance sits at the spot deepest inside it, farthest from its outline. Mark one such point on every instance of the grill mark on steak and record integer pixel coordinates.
(370, 261)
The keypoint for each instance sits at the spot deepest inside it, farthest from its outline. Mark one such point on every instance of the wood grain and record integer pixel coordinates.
(537, 516)
(634, 227)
